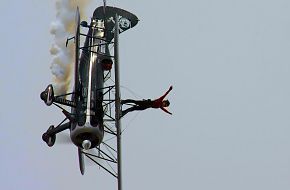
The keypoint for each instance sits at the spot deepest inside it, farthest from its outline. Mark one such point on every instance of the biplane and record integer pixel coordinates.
(92, 110)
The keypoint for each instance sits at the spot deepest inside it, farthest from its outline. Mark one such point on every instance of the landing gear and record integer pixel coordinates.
(48, 95)
(49, 138)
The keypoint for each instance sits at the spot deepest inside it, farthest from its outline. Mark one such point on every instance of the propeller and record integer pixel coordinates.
(64, 139)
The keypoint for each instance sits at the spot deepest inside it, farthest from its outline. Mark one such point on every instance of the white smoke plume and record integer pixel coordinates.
(62, 28)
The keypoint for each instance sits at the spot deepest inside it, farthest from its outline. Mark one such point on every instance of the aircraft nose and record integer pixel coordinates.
(86, 144)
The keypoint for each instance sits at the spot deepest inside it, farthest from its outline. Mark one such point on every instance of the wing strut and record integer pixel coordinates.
(117, 102)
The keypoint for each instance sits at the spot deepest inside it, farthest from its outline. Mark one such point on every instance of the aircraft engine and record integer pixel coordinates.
(87, 136)
(47, 95)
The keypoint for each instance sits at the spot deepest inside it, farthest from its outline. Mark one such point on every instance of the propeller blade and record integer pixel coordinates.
(81, 161)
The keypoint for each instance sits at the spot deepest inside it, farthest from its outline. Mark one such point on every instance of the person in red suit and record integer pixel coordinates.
(145, 104)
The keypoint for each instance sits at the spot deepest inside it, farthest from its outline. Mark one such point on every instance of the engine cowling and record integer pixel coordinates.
(87, 136)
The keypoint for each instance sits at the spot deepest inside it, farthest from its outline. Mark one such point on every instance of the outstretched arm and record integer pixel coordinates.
(165, 110)
(162, 97)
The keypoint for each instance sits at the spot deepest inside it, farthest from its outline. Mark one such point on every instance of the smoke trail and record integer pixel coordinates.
(63, 28)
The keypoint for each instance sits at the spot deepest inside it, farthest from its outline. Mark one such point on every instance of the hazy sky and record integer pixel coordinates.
(228, 62)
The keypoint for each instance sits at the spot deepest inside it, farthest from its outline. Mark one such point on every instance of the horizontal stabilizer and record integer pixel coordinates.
(127, 20)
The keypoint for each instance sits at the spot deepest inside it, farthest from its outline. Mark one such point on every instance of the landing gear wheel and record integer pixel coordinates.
(49, 139)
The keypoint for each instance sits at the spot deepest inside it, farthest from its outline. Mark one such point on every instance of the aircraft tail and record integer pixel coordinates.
(127, 20)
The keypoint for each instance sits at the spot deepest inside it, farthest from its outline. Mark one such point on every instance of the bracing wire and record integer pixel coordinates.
(130, 122)
(132, 92)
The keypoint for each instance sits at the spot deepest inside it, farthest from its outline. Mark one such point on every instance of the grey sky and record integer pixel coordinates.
(228, 62)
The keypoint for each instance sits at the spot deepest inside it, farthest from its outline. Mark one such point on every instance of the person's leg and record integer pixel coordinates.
(124, 112)
(128, 101)
(134, 108)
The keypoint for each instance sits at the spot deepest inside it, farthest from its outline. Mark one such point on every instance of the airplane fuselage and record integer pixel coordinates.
(88, 127)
